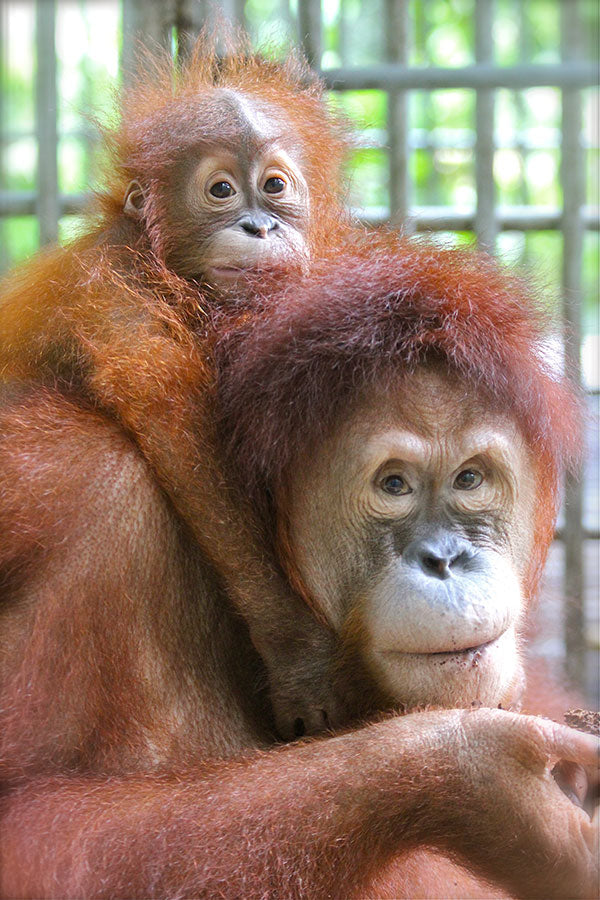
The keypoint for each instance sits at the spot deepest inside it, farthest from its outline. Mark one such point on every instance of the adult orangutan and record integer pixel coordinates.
(391, 419)
(220, 173)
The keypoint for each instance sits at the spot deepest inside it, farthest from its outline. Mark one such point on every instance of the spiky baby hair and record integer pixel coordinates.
(170, 108)
(378, 310)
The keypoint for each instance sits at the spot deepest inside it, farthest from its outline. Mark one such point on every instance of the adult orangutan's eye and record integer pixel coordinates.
(396, 485)
(274, 185)
(222, 190)
(467, 480)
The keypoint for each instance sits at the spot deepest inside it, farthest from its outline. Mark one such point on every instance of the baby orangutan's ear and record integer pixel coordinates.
(134, 200)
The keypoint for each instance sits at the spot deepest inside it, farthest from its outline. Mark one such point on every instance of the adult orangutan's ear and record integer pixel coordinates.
(134, 200)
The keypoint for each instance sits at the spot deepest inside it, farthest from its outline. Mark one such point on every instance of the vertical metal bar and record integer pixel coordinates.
(240, 12)
(485, 216)
(3, 43)
(285, 12)
(520, 104)
(572, 178)
(190, 17)
(144, 24)
(343, 32)
(433, 184)
(46, 128)
(309, 31)
(396, 34)
(230, 9)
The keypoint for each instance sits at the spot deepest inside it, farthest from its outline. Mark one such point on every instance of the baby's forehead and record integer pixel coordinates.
(260, 125)
(252, 114)
(219, 119)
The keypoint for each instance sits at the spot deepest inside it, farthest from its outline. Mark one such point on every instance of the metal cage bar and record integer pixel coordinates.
(383, 77)
(423, 218)
(4, 261)
(397, 114)
(572, 178)
(310, 31)
(485, 186)
(47, 204)
(143, 23)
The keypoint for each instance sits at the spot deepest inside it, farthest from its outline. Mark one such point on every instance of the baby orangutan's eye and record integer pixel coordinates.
(274, 185)
(221, 190)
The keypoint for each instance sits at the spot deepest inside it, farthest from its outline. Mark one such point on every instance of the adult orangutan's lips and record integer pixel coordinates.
(447, 654)
(476, 649)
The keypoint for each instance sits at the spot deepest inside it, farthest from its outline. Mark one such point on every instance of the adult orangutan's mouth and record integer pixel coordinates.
(440, 655)
(466, 650)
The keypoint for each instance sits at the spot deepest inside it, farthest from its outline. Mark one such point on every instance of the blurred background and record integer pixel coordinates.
(476, 120)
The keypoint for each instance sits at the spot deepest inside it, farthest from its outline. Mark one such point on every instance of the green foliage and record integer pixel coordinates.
(20, 237)
(70, 227)
(368, 179)
(267, 25)
(367, 109)
(73, 157)
(18, 100)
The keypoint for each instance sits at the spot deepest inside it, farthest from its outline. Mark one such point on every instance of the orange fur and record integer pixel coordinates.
(137, 749)
(137, 754)
(107, 320)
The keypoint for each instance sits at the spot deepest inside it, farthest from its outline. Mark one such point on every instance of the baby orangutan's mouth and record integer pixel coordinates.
(227, 273)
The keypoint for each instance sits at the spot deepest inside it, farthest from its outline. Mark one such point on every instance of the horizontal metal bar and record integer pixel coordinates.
(80, 134)
(589, 534)
(377, 138)
(464, 139)
(426, 218)
(24, 203)
(511, 218)
(386, 76)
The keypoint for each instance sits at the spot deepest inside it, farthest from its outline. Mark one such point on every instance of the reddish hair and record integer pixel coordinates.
(378, 310)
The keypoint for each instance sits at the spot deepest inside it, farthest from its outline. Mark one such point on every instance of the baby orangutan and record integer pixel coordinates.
(233, 176)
